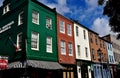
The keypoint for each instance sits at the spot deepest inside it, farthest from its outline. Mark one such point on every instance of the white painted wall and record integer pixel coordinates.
(79, 40)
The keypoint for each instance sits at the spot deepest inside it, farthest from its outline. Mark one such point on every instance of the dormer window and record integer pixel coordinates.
(6, 8)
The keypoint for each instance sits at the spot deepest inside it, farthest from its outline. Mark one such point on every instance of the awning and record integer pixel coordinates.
(17, 64)
(36, 64)
(44, 64)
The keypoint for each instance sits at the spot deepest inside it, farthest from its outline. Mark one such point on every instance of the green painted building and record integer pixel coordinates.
(28, 38)
(28, 31)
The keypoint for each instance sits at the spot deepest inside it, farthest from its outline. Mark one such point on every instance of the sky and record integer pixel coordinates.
(87, 12)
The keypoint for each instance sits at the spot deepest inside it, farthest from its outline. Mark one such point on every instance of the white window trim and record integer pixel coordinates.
(79, 52)
(37, 43)
(19, 49)
(49, 25)
(8, 8)
(69, 26)
(63, 53)
(49, 51)
(71, 49)
(86, 52)
(38, 18)
(19, 18)
(63, 26)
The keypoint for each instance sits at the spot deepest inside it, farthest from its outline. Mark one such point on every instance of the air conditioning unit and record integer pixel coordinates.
(48, 26)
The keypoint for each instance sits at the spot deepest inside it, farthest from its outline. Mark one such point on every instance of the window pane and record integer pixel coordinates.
(48, 23)
(69, 29)
(49, 44)
(62, 27)
(70, 49)
(63, 47)
(20, 18)
(35, 17)
(78, 48)
(84, 32)
(86, 51)
(19, 41)
(35, 40)
(77, 34)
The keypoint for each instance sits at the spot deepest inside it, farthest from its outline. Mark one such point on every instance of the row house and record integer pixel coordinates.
(28, 37)
(99, 55)
(39, 42)
(116, 53)
(66, 46)
(111, 60)
(83, 57)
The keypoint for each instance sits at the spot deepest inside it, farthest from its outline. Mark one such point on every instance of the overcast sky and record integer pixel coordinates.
(87, 12)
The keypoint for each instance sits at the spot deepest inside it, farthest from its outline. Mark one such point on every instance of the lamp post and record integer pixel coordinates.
(100, 59)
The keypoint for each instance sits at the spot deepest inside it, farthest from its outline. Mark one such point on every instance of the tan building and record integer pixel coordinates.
(99, 55)
(97, 44)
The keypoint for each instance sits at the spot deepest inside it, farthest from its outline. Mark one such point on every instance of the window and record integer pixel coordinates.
(84, 32)
(20, 18)
(70, 50)
(6, 8)
(100, 44)
(78, 50)
(35, 17)
(77, 33)
(19, 41)
(35, 41)
(49, 44)
(62, 27)
(86, 51)
(91, 36)
(69, 29)
(96, 40)
(93, 56)
(48, 23)
(63, 47)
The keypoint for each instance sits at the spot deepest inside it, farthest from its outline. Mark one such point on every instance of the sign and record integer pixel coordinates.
(6, 27)
(3, 62)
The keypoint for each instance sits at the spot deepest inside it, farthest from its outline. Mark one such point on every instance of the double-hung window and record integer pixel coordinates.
(62, 26)
(48, 23)
(49, 44)
(35, 17)
(86, 51)
(84, 33)
(77, 31)
(19, 41)
(63, 47)
(78, 50)
(35, 41)
(69, 29)
(20, 18)
(70, 49)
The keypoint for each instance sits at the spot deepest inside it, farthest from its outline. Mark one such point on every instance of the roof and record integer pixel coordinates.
(85, 27)
(41, 4)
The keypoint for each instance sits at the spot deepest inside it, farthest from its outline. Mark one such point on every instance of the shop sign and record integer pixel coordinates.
(6, 27)
(3, 62)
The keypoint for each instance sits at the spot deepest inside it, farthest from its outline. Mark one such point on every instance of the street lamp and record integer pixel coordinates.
(100, 59)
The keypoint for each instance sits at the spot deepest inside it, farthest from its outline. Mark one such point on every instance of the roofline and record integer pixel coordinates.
(85, 27)
(65, 17)
(106, 35)
(43, 5)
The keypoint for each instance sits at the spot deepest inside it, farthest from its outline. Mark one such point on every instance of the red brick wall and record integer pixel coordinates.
(65, 59)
